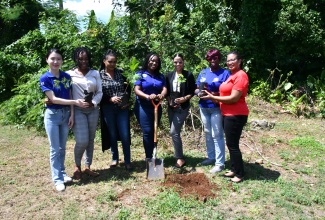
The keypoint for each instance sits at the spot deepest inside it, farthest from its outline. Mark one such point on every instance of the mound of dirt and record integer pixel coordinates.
(195, 185)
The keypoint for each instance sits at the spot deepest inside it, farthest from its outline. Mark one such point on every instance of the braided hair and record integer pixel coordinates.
(76, 54)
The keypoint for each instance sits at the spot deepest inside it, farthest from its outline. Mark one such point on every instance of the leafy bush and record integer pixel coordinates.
(317, 89)
(26, 107)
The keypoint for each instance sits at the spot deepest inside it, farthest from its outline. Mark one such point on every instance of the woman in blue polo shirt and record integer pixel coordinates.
(210, 79)
(151, 85)
(59, 114)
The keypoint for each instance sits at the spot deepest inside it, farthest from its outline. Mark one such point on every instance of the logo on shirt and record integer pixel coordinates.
(65, 82)
(216, 79)
(144, 75)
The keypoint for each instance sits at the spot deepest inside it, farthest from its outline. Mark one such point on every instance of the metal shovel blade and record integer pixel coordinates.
(155, 169)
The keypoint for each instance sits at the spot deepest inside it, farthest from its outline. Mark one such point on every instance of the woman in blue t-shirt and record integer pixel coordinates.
(59, 114)
(151, 85)
(210, 79)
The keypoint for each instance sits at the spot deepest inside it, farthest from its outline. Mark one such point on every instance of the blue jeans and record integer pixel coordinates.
(145, 116)
(117, 122)
(176, 120)
(212, 121)
(57, 129)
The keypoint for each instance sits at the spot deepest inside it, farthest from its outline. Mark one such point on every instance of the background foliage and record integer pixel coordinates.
(282, 42)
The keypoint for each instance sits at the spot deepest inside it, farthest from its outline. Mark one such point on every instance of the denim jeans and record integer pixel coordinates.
(57, 129)
(176, 120)
(212, 121)
(84, 130)
(117, 121)
(145, 116)
(233, 126)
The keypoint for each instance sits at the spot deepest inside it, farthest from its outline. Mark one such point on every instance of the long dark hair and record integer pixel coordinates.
(238, 56)
(146, 61)
(109, 52)
(53, 50)
(77, 52)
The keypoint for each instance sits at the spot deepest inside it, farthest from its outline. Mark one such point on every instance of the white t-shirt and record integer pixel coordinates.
(91, 82)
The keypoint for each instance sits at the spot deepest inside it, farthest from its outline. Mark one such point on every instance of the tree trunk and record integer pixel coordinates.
(61, 4)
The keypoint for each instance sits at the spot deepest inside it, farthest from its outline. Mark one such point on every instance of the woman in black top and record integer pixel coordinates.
(180, 89)
(115, 110)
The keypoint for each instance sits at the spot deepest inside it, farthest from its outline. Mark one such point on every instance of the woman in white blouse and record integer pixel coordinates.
(86, 84)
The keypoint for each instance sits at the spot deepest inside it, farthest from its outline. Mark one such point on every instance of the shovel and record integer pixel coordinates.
(155, 166)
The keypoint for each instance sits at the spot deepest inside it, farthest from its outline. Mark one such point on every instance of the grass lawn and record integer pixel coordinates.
(287, 183)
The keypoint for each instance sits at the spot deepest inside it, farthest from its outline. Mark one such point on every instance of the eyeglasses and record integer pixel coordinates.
(232, 60)
(212, 59)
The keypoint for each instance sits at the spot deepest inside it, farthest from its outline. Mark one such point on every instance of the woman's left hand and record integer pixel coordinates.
(71, 121)
(160, 96)
(180, 100)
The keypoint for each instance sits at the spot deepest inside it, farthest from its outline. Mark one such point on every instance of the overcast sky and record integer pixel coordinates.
(102, 8)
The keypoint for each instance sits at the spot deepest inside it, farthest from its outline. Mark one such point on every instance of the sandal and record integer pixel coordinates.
(114, 164)
(180, 163)
(236, 179)
(229, 174)
(90, 172)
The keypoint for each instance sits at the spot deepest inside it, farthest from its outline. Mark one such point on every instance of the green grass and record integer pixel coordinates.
(293, 190)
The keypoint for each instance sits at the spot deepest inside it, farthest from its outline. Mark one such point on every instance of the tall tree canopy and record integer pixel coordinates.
(17, 17)
(286, 35)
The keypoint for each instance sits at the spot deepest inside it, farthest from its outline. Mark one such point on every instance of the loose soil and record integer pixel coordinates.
(195, 185)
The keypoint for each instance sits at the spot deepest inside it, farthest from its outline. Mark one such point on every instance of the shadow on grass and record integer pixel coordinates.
(252, 171)
(169, 161)
(255, 171)
(119, 173)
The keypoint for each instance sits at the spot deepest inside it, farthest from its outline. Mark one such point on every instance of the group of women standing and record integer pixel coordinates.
(77, 97)
(80, 86)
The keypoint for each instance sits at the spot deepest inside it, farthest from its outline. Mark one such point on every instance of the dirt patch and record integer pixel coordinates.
(195, 185)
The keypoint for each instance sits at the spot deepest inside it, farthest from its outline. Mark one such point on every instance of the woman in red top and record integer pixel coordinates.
(235, 112)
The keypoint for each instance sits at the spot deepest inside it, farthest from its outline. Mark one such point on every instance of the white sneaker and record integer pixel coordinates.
(217, 168)
(67, 179)
(60, 187)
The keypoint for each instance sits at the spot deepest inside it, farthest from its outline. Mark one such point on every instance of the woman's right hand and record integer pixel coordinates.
(116, 99)
(152, 96)
(206, 95)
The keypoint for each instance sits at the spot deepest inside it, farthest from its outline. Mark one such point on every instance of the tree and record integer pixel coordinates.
(17, 17)
(300, 33)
